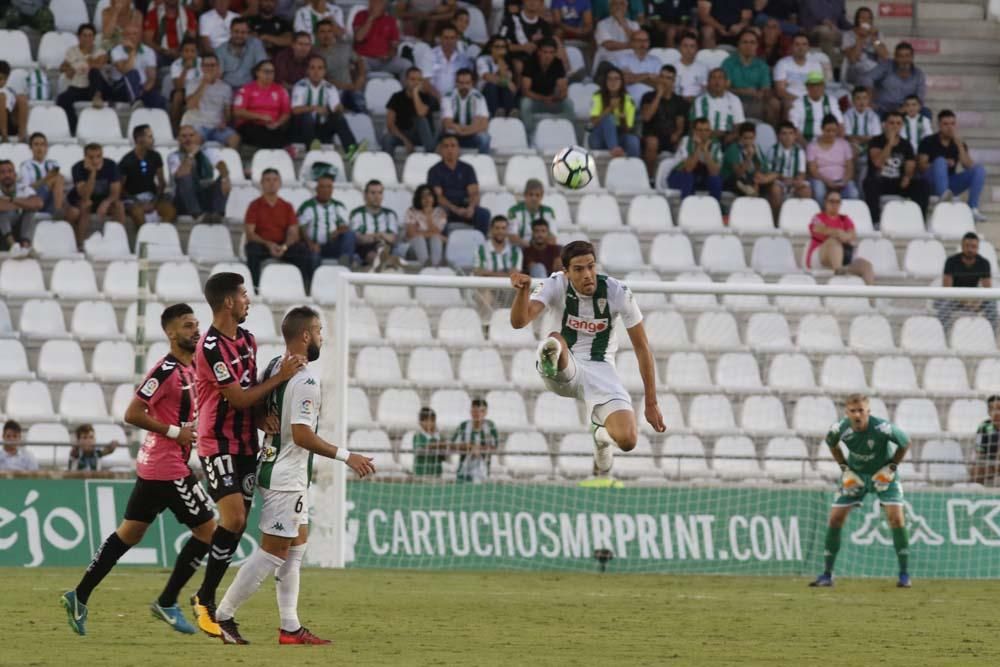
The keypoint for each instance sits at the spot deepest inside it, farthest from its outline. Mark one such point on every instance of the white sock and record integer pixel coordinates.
(251, 575)
(603, 437)
(287, 588)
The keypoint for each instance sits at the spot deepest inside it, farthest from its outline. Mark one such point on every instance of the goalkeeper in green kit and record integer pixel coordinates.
(875, 448)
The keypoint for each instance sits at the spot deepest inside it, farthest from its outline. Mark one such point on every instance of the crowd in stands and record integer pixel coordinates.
(84, 454)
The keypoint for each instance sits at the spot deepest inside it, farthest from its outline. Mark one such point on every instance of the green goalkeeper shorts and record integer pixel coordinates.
(893, 495)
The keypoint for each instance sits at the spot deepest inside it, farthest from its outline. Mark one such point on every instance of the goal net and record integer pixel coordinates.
(750, 377)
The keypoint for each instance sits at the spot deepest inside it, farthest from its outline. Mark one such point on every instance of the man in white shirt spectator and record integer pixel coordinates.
(307, 18)
(722, 108)
(83, 67)
(809, 110)
(133, 71)
(446, 60)
(317, 113)
(692, 76)
(791, 72)
(613, 33)
(209, 102)
(641, 70)
(197, 192)
(18, 205)
(464, 113)
(42, 175)
(13, 456)
(213, 25)
(186, 69)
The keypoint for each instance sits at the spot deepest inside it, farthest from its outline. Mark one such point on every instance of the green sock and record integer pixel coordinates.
(901, 541)
(832, 547)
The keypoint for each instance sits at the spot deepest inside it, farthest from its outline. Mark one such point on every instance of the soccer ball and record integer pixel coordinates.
(573, 167)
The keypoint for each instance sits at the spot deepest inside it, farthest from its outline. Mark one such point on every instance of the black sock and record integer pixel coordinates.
(223, 547)
(107, 555)
(188, 562)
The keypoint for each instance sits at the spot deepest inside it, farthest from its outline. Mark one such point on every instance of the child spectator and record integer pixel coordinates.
(13, 456)
(744, 167)
(915, 125)
(429, 452)
(476, 440)
(85, 455)
(522, 217)
(788, 161)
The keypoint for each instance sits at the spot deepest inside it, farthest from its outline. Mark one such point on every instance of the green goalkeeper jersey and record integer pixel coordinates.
(871, 449)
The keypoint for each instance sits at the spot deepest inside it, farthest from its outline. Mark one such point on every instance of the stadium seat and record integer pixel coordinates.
(627, 176)
(113, 361)
(83, 402)
(14, 48)
(878, 407)
(501, 332)
(688, 372)
(734, 457)
(923, 335)
(66, 154)
(894, 376)
(902, 219)
(460, 326)
(722, 254)
(53, 46)
(99, 126)
(582, 97)
(818, 333)
(486, 171)
(647, 301)
(576, 456)
(973, 336)
(523, 373)
(670, 408)
(857, 211)
(461, 249)
(74, 279)
(377, 93)
(109, 244)
(121, 398)
(520, 168)
(151, 321)
(265, 353)
(159, 123)
(683, 457)
(296, 196)
(560, 207)
(377, 367)
(499, 203)
(121, 280)
(377, 442)
(944, 462)
(813, 415)
(843, 374)
(952, 220)
(330, 157)
(61, 360)
(945, 375)
(178, 281)
(700, 214)
(437, 296)
(22, 278)
(451, 407)
(6, 324)
(641, 463)
(988, 376)
(924, 258)
(965, 415)
(738, 372)
(798, 304)
(383, 296)
(717, 331)
(665, 330)
(364, 325)
(554, 134)
(768, 331)
(599, 213)
(695, 302)
(44, 440)
(324, 284)
(408, 326)
(282, 284)
(69, 14)
(871, 333)
(416, 167)
(161, 239)
(786, 459)
(42, 318)
(712, 58)
(507, 136)
(711, 414)
(29, 400)
(430, 367)
(795, 216)
(359, 412)
(751, 215)
(987, 250)
(619, 252)
(13, 361)
(362, 127)
(882, 254)
(847, 304)
(239, 201)
(531, 456)
(95, 320)
(773, 255)
(556, 414)
(917, 417)
(627, 367)
(649, 214)
(55, 240)
(210, 244)
(791, 373)
(478, 368)
(672, 253)
(374, 165)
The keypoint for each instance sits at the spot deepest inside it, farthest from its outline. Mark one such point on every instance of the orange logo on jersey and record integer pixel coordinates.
(586, 325)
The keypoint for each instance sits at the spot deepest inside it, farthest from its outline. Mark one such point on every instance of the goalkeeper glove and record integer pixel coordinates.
(884, 477)
(851, 483)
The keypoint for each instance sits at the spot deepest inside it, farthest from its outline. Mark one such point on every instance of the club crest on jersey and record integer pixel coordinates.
(150, 387)
(871, 444)
(586, 325)
(602, 304)
(221, 371)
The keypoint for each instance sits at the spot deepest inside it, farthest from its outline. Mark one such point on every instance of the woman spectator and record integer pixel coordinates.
(830, 161)
(496, 78)
(262, 109)
(863, 46)
(612, 117)
(115, 18)
(774, 44)
(425, 222)
(832, 243)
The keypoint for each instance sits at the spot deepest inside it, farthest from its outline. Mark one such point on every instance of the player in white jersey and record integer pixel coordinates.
(577, 359)
(283, 474)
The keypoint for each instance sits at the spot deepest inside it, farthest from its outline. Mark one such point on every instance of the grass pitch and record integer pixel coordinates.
(380, 617)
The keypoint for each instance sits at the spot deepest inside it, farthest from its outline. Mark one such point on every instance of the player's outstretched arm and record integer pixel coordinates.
(523, 311)
(647, 370)
(241, 398)
(306, 438)
(137, 416)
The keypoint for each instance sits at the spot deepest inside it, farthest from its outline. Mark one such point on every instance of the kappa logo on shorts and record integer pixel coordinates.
(586, 325)
(150, 387)
(278, 526)
(221, 371)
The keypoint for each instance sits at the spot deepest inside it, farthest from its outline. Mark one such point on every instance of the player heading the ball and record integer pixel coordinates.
(577, 358)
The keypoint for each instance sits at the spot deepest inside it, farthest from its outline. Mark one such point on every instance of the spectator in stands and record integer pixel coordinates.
(408, 116)
(774, 43)
(274, 31)
(862, 46)
(42, 175)
(166, 27)
(429, 452)
(324, 226)
(496, 78)
(377, 229)
(722, 21)
(28, 14)
(669, 18)
(663, 118)
(183, 71)
(497, 256)
(133, 72)
(832, 234)
(14, 457)
(861, 123)
(641, 70)
(938, 159)
(723, 110)
(823, 21)
(240, 55)
(809, 112)
(317, 113)
(446, 60)
(892, 166)
(791, 72)
(96, 192)
(831, 163)
(344, 68)
(544, 86)
(262, 109)
(291, 64)
(143, 184)
(82, 68)
(612, 117)
(522, 216)
(524, 30)
(215, 26)
(613, 34)
(915, 125)
(476, 440)
(425, 225)
(196, 192)
(117, 16)
(464, 113)
(465, 44)
(272, 231)
(744, 166)
(209, 103)
(13, 108)
(783, 12)
(692, 76)
(376, 36)
(966, 269)
(314, 11)
(788, 161)
(424, 18)
(894, 80)
(750, 80)
(986, 467)
(699, 162)
(573, 19)
(456, 186)
(18, 205)
(84, 455)
(542, 254)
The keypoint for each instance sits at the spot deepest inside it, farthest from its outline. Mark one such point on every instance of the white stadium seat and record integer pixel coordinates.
(437, 296)
(894, 376)
(461, 248)
(924, 258)
(210, 244)
(917, 417)
(408, 325)
(649, 214)
(627, 176)
(55, 240)
(22, 278)
(779, 463)
(460, 326)
(819, 333)
(43, 442)
(923, 335)
(857, 211)
(763, 415)
(52, 49)
(324, 284)
(83, 402)
(665, 330)
(14, 48)
(431, 367)
(672, 253)
(768, 331)
(797, 304)
(582, 97)
(416, 167)
(773, 255)
(945, 375)
(503, 334)
(478, 368)
(359, 412)
(973, 335)
(364, 325)
(113, 361)
(507, 136)
(557, 414)
(738, 371)
(6, 324)
(598, 213)
(795, 216)
(813, 415)
(560, 207)
(965, 415)
(722, 254)
(382, 296)
(13, 361)
(42, 318)
(121, 280)
(282, 284)
(711, 414)
(523, 373)
(944, 462)
(576, 456)
(377, 367)
(694, 302)
(451, 407)
(647, 301)
(330, 157)
(988, 376)
(638, 464)
(554, 134)
(882, 254)
(151, 321)
(688, 371)
(684, 457)
(99, 126)
(61, 360)
(520, 168)
(486, 171)
(178, 281)
(791, 373)
(378, 92)
(843, 374)
(700, 214)
(952, 220)
(751, 215)
(74, 279)
(530, 457)
(29, 400)
(163, 242)
(619, 252)
(375, 165)
(109, 244)
(847, 304)
(902, 219)
(717, 331)
(734, 457)
(871, 333)
(159, 123)
(239, 201)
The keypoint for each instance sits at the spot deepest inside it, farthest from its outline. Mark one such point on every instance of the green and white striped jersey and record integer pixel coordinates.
(475, 468)
(787, 162)
(382, 221)
(587, 322)
(426, 464)
(321, 219)
(521, 218)
(508, 258)
(723, 113)
(284, 466)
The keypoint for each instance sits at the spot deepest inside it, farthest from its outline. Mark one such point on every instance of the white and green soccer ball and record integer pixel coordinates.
(573, 167)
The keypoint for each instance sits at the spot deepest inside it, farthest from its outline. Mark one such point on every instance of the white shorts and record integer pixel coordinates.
(595, 382)
(283, 512)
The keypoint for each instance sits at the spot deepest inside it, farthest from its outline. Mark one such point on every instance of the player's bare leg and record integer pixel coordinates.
(834, 526)
(224, 542)
(896, 516)
(553, 355)
(287, 590)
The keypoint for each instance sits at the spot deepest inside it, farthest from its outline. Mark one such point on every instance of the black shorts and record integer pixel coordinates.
(227, 474)
(184, 497)
(848, 254)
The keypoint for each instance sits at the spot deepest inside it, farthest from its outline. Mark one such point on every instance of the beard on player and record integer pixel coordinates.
(312, 351)
(189, 344)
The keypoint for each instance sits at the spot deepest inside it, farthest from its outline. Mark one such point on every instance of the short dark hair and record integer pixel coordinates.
(479, 402)
(497, 218)
(171, 313)
(465, 70)
(890, 114)
(540, 222)
(904, 46)
(461, 11)
(302, 33)
(970, 236)
(687, 35)
(325, 175)
(418, 195)
(547, 41)
(857, 90)
(911, 97)
(4, 68)
(86, 26)
(328, 22)
(256, 67)
(410, 69)
(270, 170)
(745, 32)
(701, 120)
(11, 425)
(575, 249)
(296, 321)
(669, 68)
(447, 26)
(989, 401)
(138, 130)
(372, 183)
(746, 127)
(189, 40)
(92, 147)
(829, 118)
(83, 429)
(238, 20)
(3, 162)
(208, 56)
(786, 125)
(445, 136)
(221, 286)
(945, 113)
(800, 34)
(318, 57)
(426, 413)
